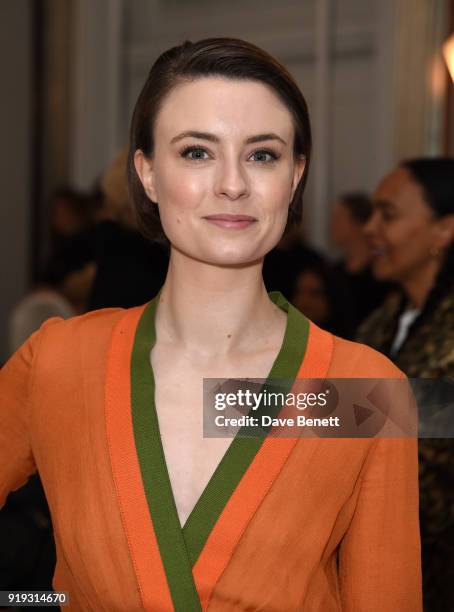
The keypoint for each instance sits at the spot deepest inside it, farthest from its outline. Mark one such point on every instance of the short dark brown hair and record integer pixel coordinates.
(220, 57)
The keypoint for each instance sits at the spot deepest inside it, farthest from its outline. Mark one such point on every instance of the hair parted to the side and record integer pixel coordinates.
(229, 58)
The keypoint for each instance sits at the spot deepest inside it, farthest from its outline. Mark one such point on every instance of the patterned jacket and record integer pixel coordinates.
(427, 352)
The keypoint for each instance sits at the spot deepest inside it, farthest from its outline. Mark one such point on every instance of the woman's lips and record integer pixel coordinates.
(231, 221)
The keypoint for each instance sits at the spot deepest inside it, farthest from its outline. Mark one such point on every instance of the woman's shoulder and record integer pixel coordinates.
(63, 341)
(102, 319)
(356, 360)
(60, 350)
(96, 323)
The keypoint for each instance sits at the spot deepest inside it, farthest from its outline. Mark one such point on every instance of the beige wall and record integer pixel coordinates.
(419, 77)
(15, 156)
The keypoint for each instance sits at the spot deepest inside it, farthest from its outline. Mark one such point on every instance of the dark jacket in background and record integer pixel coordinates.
(282, 266)
(131, 269)
(362, 292)
(27, 559)
(427, 352)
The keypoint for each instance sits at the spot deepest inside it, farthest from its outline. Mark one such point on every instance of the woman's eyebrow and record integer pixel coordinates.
(213, 138)
(261, 137)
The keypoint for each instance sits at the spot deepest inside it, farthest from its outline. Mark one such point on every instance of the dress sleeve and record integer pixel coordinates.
(16, 392)
(380, 555)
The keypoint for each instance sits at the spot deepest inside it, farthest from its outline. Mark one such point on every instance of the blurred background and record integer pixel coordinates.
(373, 74)
(376, 75)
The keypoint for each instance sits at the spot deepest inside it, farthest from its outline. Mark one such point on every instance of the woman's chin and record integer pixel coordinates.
(235, 258)
(381, 271)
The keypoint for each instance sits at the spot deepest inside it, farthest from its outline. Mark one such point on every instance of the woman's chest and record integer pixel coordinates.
(181, 385)
(191, 457)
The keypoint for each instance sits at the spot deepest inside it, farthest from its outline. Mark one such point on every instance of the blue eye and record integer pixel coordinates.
(265, 156)
(194, 153)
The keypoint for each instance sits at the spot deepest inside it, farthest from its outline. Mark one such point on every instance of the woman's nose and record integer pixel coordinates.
(232, 180)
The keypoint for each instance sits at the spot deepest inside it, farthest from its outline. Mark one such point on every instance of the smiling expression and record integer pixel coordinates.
(223, 172)
(403, 230)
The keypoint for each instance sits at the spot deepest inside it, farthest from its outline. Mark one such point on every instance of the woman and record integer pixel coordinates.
(147, 513)
(362, 293)
(412, 234)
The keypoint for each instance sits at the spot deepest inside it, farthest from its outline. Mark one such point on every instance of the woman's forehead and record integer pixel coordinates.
(225, 106)
(399, 190)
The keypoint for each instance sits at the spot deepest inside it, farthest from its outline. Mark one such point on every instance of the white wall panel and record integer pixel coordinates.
(353, 103)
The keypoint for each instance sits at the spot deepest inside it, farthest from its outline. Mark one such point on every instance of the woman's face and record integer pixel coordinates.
(223, 171)
(403, 232)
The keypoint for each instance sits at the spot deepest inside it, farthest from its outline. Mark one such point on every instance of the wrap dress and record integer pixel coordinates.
(284, 524)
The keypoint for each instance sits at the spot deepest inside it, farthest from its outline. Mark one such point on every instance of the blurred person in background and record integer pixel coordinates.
(72, 214)
(318, 294)
(361, 292)
(27, 559)
(283, 264)
(411, 233)
(65, 281)
(62, 290)
(130, 269)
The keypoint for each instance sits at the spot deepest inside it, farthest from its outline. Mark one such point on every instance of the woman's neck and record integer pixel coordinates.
(418, 286)
(214, 309)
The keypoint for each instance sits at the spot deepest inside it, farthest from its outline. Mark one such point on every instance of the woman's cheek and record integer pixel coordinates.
(278, 201)
(278, 187)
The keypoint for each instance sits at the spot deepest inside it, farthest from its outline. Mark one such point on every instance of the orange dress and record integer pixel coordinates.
(319, 525)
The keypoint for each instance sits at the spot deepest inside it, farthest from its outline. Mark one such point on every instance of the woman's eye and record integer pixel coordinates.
(264, 156)
(194, 153)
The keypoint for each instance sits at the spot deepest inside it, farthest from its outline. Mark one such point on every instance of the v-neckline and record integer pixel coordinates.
(181, 547)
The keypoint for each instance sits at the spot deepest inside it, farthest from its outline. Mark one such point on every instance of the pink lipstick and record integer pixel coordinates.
(231, 221)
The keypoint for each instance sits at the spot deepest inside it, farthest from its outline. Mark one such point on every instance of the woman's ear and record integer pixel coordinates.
(144, 169)
(299, 166)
